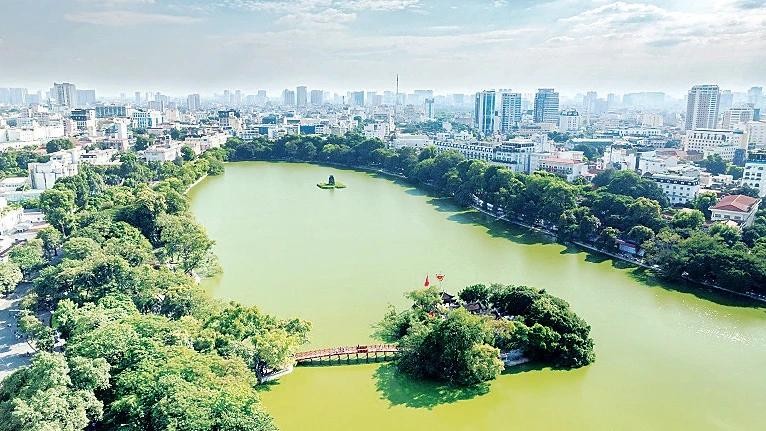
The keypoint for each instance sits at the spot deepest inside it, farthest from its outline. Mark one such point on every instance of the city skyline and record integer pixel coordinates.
(570, 45)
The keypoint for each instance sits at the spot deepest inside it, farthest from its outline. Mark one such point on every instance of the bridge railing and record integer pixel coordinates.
(344, 350)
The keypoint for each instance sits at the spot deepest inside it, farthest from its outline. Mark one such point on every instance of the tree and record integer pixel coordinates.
(704, 201)
(608, 237)
(28, 256)
(52, 395)
(10, 276)
(52, 240)
(729, 234)
(187, 154)
(142, 143)
(184, 241)
(688, 219)
(452, 350)
(39, 336)
(58, 144)
(644, 212)
(59, 208)
(714, 164)
(640, 234)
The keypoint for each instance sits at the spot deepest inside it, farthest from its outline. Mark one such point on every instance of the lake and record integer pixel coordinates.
(666, 358)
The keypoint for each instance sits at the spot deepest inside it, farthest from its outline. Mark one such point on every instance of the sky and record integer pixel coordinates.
(184, 46)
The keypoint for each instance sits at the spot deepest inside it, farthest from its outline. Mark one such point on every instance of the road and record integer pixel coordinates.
(14, 352)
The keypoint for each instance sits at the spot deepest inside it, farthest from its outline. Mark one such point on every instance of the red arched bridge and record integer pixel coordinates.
(376, 351)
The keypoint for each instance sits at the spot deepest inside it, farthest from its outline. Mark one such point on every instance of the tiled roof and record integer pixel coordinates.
(738, 203)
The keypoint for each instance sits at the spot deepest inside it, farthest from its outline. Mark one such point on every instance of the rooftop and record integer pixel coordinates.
(738, 203)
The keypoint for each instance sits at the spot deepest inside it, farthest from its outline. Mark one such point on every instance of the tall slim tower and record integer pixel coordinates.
(702, 107)
(396, 99)
(484, 112)
(301, 94)
(65, 94)
(509, 111)
(546, 106)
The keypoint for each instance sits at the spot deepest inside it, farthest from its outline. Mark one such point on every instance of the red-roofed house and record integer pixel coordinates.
(738, 208)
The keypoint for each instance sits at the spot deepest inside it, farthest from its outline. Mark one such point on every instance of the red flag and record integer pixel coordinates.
(427, 283)
(440, 277)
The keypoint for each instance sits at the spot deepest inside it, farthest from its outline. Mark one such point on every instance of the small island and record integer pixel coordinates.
(331, 184)
(472, 338)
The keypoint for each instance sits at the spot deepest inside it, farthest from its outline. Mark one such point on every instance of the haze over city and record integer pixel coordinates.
(451, 46)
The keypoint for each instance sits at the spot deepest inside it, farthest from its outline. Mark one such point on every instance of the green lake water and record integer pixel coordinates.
(666, 358)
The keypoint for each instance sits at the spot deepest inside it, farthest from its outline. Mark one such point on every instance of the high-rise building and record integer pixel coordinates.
(484, 112)
(193, 102)
(589, 102)
(86, 98)
(702, 107)
(546, 106)
(429, 108)
(755, 97)
(261, 98)
(357, 98)
(727, 100)
(317, 97)
(301, 94)
(237, 98)
(738, 115)
(137, 97)
(612, 101)
(65, 94)
(288, 97)
(17, 96)
(509, 111)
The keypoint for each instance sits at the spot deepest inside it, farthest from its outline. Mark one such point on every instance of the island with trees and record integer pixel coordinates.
(470, 339)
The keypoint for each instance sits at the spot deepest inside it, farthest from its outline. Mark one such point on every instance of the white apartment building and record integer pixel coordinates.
(163, 152)
(43, 176)
(680, 189)
(516, 154)
(651, 163)
(563, 165)
(702, 107)
(470, 150)
(99, 157)
(84, 121)
(754, 174)
(411, 140)
(268, 131)
(737, 117)
(206, 142)
(652, 120)
(380, 130)
(715, 141)
(756, 133)
(569, 121)
(146, 118)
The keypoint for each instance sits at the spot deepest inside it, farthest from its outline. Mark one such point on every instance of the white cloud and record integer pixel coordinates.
(328, 19)
(286, 6)
(641, 23)
(118, 18)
